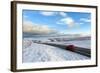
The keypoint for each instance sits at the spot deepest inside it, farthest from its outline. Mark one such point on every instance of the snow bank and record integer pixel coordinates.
(33, 52)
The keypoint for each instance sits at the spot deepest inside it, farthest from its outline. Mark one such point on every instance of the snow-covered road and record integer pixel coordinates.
(33, 52)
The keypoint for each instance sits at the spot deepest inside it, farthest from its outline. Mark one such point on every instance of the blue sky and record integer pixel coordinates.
(56, 22)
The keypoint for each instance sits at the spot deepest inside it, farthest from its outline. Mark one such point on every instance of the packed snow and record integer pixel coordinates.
(34, 52)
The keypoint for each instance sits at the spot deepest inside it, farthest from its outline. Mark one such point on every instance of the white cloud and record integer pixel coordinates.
(63, 14)
(85, 20)
(67, 21)
(25, 16)
(29, 27)
(47, 13)
(79, 23)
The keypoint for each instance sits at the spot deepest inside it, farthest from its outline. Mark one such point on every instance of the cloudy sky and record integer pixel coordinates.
(50, 22)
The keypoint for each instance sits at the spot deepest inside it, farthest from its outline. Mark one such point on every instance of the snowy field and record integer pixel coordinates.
(33, 52)
(80, 43)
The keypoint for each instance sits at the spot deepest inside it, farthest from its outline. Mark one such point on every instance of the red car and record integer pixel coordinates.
(71, 48)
